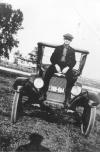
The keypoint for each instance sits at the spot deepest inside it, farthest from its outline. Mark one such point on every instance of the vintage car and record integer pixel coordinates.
(82, 102)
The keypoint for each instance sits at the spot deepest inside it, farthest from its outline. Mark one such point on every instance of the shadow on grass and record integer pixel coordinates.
(4, 143)
(34, 145)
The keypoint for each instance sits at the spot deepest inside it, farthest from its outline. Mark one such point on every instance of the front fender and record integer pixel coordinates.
(28, 87)
(20, 81)
(88, 97)
(80, 100)
(94, 98)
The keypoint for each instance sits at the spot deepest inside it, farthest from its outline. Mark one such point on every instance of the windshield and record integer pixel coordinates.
(47, 52)
(78, 59)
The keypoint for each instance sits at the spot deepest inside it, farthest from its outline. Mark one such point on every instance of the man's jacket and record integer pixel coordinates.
(70, 60)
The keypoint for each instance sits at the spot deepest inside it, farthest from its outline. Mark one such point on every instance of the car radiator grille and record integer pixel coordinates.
(56, 89)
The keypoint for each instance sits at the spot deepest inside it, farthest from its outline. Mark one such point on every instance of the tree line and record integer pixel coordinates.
(10, 23)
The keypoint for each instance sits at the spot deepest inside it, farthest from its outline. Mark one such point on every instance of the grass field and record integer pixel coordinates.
(56, 135)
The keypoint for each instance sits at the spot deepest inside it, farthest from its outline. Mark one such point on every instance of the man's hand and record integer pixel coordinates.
(65, 70)
(58, 68)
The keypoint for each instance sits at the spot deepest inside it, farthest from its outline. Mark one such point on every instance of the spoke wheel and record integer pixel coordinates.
(88, 119)
(16, 107)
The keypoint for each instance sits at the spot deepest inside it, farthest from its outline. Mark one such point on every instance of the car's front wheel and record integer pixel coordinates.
(88, 119)
(16, 105)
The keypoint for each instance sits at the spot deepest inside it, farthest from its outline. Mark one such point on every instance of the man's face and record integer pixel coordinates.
(66, 42)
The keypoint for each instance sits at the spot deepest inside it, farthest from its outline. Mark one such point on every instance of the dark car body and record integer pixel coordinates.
(56, 92)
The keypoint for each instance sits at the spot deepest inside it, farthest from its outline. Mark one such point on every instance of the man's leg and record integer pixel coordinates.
(70, 83)
(49, 73)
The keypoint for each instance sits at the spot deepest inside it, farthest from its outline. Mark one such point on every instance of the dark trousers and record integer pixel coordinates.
(69, 77)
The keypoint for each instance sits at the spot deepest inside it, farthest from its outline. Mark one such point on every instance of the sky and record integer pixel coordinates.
(48, 20)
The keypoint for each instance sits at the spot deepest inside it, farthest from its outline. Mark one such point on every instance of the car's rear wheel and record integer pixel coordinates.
(88, 119)
(16, 106)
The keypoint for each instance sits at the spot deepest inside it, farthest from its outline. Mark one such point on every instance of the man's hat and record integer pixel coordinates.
(68, 36)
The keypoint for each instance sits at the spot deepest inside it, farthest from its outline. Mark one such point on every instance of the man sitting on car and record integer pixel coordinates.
(63, 60)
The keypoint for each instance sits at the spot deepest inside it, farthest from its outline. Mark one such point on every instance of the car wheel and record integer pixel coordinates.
(16, 107)
(88, 119)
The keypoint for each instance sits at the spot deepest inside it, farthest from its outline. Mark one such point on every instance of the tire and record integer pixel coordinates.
(16, 107)
(88, 120)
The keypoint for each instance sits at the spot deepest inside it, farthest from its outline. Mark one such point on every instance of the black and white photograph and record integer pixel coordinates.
(49, 75)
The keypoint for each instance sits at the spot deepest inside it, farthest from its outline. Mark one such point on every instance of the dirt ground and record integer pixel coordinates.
(41, 132)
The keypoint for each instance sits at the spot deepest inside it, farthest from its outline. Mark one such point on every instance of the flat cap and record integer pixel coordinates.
(68, 36)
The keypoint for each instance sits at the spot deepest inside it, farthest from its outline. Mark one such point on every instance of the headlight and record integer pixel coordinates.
(38, 83)
(76, 90)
